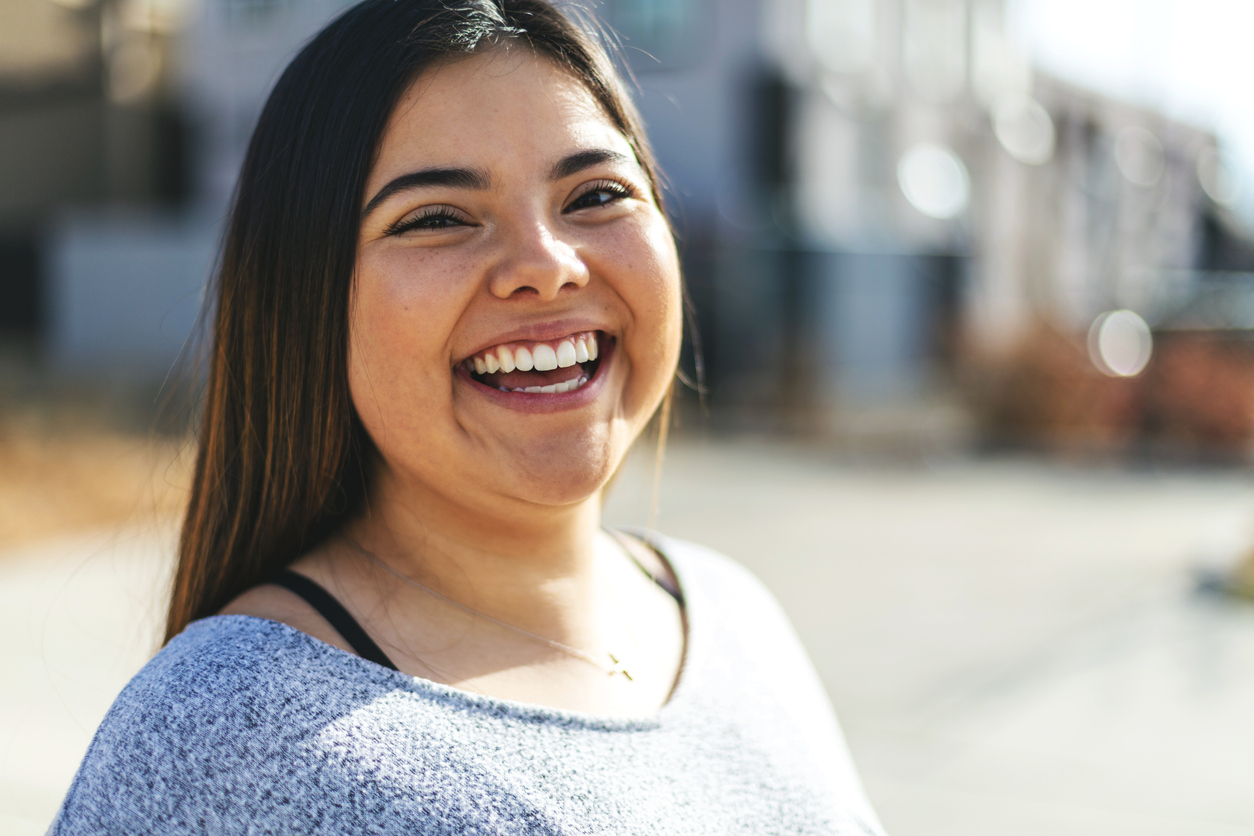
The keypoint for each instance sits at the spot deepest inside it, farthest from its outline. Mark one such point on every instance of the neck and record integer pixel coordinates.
(533, 567)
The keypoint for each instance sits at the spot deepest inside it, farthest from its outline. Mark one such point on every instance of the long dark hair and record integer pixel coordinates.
(283, 458)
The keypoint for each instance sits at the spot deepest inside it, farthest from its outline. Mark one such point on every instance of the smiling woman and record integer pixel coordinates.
(449, 302)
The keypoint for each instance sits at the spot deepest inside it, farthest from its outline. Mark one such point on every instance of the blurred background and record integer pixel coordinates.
(973, 290)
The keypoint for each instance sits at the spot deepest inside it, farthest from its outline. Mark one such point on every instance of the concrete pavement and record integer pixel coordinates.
(78, 617)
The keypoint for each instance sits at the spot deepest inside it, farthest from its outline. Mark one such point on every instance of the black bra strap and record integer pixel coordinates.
(335, 614)
(625, 540)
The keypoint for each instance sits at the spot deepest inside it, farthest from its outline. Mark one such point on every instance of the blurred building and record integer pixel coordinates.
(884, 204)
(873, 196)
(95, 161)
(122, 124)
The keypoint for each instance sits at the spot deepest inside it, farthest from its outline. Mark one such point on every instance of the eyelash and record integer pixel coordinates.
(431, 213)
(617, 190)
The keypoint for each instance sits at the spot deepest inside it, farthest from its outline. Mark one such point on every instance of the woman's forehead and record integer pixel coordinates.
(504, 108)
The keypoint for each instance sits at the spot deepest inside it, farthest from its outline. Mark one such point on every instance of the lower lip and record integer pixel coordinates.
(549, 401)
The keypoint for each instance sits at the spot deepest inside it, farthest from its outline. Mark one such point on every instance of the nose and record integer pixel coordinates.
(537, 263)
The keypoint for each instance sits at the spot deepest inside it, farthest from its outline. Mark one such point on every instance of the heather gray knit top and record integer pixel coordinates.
(244, 725)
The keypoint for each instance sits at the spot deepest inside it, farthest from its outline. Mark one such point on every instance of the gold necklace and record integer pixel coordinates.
(612, 669)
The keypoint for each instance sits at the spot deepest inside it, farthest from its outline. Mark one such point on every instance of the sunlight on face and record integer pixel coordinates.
(508, 223)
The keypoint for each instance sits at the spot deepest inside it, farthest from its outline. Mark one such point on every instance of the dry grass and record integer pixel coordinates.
(55, 483)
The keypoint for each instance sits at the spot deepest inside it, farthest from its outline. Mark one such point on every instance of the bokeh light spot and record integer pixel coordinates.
(934, 180)
(1120, 343)
(1217, 178)
(1025, 130)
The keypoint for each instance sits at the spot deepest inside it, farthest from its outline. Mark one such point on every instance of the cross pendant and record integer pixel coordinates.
(618, 667)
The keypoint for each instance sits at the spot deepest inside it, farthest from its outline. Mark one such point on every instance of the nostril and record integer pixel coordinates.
(523, 277)
(528, 290)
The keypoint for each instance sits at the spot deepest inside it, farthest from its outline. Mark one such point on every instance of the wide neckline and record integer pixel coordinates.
(517, 709)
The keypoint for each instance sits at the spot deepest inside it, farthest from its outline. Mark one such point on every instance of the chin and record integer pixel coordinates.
(564, 471)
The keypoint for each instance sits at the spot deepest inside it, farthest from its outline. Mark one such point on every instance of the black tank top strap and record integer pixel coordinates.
(626, 539)
(335, 614)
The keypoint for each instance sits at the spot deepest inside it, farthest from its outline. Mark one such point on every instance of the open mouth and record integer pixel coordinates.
(550, 367)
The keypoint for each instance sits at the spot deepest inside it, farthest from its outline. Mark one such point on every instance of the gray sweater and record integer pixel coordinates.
(244, 725)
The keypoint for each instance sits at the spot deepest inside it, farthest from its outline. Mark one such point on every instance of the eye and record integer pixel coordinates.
(601, 193)
(430, 219)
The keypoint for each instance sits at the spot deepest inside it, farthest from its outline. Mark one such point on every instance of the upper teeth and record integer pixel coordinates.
(542, 357)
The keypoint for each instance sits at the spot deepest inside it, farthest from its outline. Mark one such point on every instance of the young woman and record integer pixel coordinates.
(448, 303)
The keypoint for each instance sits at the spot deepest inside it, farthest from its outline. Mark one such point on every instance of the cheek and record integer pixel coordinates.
(404, 309)
(643, 268)
(650, 284)
(670, 290)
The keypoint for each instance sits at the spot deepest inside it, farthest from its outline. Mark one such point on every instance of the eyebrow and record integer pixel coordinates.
(479, 180)
(578, 161)
(457, 178)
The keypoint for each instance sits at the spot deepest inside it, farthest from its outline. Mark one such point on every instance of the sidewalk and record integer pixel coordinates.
(78, 617)
(1013, 648)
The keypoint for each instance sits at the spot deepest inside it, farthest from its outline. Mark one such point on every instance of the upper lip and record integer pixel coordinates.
(539, 332)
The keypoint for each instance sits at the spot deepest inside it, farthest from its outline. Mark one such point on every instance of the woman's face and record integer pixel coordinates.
(516, 310)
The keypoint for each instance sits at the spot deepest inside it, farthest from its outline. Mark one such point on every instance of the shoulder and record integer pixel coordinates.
(226, 700)
(275, 603)
(750, 649)
(742, 633)
(239, 660)
(219, 666)
(223, 676)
